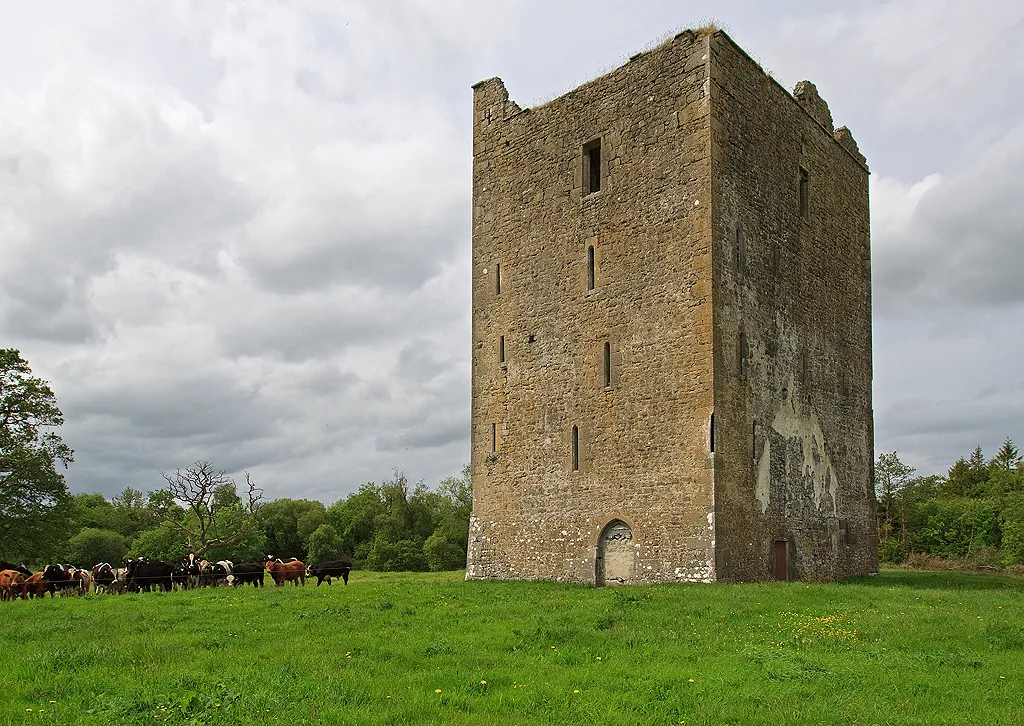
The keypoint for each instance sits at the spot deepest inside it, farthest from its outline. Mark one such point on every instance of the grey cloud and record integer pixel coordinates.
(962, 243)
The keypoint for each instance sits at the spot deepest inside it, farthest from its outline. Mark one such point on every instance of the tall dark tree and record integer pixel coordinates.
(33, 494)
(1008, 457)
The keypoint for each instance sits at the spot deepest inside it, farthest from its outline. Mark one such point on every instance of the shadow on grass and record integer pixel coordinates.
(939, 580)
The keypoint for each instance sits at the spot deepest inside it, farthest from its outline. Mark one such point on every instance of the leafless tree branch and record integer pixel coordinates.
(195, 488)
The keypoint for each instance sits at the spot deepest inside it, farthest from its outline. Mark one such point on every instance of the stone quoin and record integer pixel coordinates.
(671, 329)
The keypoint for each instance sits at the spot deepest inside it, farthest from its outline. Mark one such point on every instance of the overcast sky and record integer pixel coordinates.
(240, 231)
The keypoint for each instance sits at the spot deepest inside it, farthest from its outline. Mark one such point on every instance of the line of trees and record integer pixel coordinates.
(387, 526)
(974, 513)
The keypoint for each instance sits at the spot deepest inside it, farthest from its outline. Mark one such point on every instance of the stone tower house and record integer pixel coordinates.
(671, 329)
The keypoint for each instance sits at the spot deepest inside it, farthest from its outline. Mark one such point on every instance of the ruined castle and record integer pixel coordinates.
(671, 329)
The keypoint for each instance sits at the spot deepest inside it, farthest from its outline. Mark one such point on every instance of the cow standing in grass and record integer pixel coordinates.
(103, 575)
(144, 575)
(60, 579)
(20, 567)
(12, 585)
(38, 586)
(248, 572)
(327, 570)
(282, 572)
(84, 579)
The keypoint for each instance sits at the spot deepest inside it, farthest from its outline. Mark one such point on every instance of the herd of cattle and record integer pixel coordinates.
(144, 575)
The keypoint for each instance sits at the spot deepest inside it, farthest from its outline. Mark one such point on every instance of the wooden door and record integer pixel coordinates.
(781, 559)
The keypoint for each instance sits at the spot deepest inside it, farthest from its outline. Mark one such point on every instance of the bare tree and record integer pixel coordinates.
(201, 489)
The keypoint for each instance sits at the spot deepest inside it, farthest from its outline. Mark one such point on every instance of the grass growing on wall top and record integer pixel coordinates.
(906, 647)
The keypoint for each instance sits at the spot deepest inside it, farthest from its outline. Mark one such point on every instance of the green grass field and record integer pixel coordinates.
(902, 648)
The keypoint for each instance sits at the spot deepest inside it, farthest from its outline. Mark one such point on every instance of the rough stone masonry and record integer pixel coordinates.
(671, 329)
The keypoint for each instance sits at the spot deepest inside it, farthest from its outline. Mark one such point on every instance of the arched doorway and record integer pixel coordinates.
(615, 554)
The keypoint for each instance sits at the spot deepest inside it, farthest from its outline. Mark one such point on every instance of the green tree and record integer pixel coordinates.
(34, 504)
(1008, 457)
(444, 552)
(92, 546)
(311, 521)
(161, 543)
(388, 555)
(324, 545)
(354, 518)
(1011, 520)
(251, 548)
(891, 475)
(92, 510)
(280, 521)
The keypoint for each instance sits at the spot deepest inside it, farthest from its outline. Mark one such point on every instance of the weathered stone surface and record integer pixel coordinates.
(806, 94)
(698, 241)
(845, 138)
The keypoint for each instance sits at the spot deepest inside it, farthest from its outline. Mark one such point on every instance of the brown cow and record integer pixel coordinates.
(38, 586)
(282, 572)
(12, 585)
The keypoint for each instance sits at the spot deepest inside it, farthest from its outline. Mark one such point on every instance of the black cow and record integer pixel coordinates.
(103, 575)
(20, 567)
(217, 572)
(144, 575)
(327, 570)
(248, 572)
(60, 579)
(193, 570)
(180, 576)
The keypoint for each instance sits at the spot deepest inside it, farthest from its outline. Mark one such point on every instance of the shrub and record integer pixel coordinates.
(92, 546)
(444, 552)
(402, 556)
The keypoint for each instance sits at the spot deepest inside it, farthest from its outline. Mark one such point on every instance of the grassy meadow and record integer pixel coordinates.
(902, 648)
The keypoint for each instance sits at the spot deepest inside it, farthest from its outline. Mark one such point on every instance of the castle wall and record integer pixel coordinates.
(643, 440)
(793, 404)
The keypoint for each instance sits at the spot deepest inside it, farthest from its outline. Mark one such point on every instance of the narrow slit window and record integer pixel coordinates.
(575, 448)
(805, 193)
(607, 365)
(741, 251)
(497, 279)
(743, 353)
(592, 167)
(501, 350)
(590, 267)
(753, 441)
(494, 437)
(711, 433)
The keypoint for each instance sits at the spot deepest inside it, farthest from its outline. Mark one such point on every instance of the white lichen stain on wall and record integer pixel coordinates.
(764, 475)
(805, 427)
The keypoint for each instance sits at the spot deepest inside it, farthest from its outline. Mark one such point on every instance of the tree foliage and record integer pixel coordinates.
(975, 512)
(91, 546)
(33, 493)
(324, 545)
